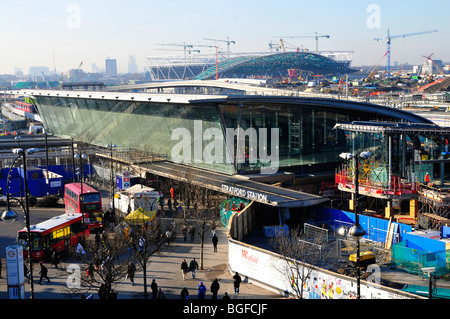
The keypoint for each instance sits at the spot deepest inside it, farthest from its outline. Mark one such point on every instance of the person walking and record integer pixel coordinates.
(161, 294)
(215, 240)
(55, 258)
(90, 271)
(215, 286)
(184, 233)
(184, 268)
(201, 290)
(184, 293)
(193, 267)
(130, 272)
(237, 282)
(80, 250)
(43, 273)
(154, 287)
(192, 233)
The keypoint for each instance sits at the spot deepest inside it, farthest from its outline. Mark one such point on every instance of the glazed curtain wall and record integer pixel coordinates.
(147, 126)
(306, 132)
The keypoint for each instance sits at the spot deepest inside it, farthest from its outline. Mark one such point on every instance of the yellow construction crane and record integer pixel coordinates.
(374, 70)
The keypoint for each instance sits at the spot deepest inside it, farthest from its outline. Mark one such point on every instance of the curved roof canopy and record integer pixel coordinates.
(276, 65)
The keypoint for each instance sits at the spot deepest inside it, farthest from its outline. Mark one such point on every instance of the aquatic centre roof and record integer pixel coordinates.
(276, 65)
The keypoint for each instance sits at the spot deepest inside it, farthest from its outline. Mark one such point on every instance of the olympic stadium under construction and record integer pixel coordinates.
(241, 65)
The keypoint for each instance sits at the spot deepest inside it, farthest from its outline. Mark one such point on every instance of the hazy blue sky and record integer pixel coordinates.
(90, 31)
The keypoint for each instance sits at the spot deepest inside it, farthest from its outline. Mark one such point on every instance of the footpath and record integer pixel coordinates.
(164, 267)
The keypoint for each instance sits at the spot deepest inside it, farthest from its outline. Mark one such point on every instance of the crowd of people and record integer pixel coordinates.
(187, 269)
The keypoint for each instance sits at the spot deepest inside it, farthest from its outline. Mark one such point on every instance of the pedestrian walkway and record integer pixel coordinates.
(164, 267)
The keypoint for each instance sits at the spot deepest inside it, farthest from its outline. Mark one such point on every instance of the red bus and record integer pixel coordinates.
(89, 203)
(59, 233)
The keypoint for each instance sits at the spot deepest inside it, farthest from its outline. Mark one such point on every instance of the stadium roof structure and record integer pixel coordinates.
(276, 65)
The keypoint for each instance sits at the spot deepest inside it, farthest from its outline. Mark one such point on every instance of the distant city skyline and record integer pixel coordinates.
(60, 35)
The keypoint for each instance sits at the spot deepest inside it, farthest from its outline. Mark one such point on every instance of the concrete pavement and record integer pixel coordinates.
(164, 268)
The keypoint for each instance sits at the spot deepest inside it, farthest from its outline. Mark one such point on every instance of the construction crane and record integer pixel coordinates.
(186, 47)
(434, 63)
(374, 70)
(388, 39)
(227, 41)
(316, 36)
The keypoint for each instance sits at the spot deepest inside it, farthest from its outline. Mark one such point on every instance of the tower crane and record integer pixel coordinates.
(228, 42)
(186, 47)
(316, 37)
(388, 39)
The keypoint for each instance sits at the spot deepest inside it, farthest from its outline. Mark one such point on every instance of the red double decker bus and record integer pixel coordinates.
(59, 233)
(82, 198)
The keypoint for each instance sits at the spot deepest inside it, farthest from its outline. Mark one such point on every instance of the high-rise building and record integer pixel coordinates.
(132, 65)
(111, 67)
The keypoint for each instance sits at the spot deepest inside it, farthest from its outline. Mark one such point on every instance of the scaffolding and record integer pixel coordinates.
(404, 156)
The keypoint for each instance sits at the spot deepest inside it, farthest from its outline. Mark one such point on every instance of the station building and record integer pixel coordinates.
(195, 127)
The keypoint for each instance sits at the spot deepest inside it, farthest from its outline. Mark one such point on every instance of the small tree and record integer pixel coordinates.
(204, 215)
(106, 262)
(144, 241)
(300, 255)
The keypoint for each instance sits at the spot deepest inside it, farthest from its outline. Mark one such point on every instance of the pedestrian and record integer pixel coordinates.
(215, 286)
(98, 241)
(80, 250)
(225, 296)
(161, 294)
(90, 271)
(25, 271)
(201, 290)
(184, 293)
(154, 287)
(192, 233)
(215, 241)
(168, 236)
(43, 273)
(237, 282)
(184, 268)
(184, 233)
(193, 267)
(55, 258)
(130, 272)
(0, 268)
(169, 205)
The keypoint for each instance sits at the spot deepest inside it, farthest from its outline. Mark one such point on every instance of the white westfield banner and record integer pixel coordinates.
(267, 268)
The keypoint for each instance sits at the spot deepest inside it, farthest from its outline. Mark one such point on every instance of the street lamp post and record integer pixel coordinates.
(357, 231)
(81, 158)
(10, 215)
(111, 146)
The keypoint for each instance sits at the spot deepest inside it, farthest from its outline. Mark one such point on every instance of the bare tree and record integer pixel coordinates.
(144, 241)
(104, 265)
(301, 255)
(204, 215)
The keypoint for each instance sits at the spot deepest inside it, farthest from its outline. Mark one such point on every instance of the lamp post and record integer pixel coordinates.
(10, 215)
(357, 231)
(111, 146)
(81, 158)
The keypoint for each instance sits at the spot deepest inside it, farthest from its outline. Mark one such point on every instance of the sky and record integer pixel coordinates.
(60, 34)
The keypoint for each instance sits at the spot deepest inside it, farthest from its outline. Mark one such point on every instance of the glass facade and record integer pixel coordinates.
(197, 129)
